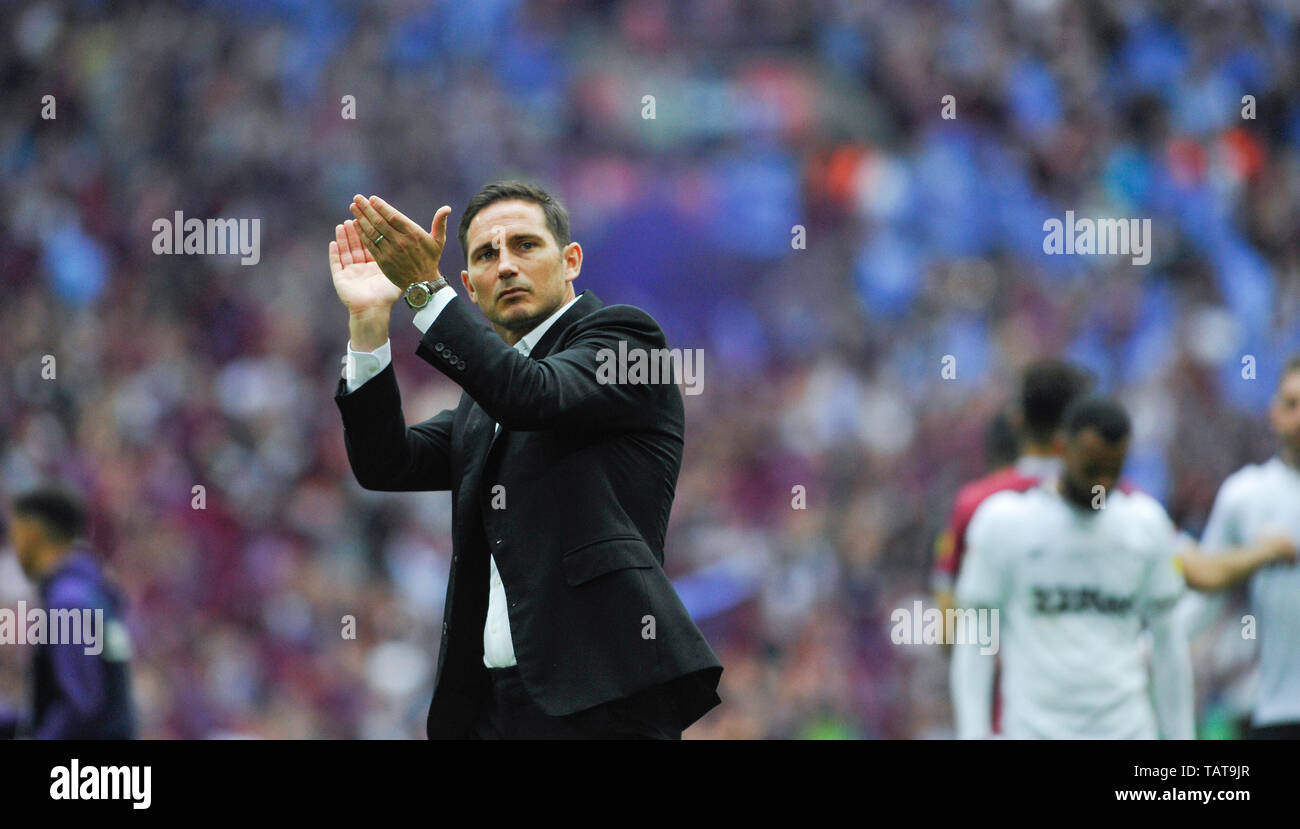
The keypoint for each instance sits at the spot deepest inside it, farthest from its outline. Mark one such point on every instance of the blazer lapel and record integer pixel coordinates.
(587, 302)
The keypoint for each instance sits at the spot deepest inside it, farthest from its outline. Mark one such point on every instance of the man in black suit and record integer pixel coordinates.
(559, 621)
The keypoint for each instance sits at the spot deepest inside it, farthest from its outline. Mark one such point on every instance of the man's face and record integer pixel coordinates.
(25, 535)
(1091, 462)
(1284, 414)
(516, 273)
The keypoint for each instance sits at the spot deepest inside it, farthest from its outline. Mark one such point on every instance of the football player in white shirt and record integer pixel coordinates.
(1257, 512)
(1076, 569)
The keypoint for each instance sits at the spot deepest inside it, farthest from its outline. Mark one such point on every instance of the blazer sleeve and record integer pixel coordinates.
(384, 454)
(565, 389)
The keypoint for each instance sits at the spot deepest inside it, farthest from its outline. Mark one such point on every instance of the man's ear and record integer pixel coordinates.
(464, 280)
(572, 261)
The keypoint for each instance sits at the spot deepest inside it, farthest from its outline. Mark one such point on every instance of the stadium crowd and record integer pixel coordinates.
(192, 397)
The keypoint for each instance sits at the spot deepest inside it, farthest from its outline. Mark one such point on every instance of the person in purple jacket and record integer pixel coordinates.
(80, 689)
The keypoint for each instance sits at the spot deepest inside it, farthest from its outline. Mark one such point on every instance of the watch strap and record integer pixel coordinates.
(432, 287)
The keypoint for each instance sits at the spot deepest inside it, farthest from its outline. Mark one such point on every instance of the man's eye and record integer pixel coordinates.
(530, 244)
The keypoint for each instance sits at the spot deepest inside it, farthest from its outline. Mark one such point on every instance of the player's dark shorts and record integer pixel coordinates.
(1277, 731)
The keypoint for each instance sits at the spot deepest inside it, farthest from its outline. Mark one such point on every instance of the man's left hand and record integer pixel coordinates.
(405, 252)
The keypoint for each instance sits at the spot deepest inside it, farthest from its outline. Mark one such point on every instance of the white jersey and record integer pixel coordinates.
(1074, 588)
(1260, 500)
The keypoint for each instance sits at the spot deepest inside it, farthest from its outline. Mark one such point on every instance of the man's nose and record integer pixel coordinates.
(504, 263)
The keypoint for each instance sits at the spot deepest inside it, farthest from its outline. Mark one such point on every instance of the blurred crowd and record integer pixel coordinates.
(797, 206)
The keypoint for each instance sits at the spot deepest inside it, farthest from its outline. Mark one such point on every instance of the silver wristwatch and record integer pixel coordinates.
(418, 293)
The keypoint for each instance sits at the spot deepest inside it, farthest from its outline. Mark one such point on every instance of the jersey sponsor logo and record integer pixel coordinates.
(1051, 601)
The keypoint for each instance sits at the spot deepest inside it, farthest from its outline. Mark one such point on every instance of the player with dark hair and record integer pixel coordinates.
(79, 690)
(1046, 388)
(1077, 568)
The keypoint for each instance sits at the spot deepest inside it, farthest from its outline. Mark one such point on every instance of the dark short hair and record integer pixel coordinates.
(557, 218)
(1046, 391)
(58, 510)
(1104, 415)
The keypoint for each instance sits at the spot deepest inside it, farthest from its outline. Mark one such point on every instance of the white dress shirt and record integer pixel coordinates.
(498, 647)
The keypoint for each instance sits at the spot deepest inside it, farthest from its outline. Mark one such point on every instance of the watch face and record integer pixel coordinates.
(417, 294)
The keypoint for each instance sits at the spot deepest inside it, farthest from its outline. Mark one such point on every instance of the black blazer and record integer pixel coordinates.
(588, 471)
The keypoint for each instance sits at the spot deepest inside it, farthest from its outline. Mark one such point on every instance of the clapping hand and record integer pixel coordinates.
(404, 251)
(360, 283)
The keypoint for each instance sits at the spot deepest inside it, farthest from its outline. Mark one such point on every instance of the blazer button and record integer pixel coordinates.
(499, 540)
(444, 627)
(460, 364)
(439, 347)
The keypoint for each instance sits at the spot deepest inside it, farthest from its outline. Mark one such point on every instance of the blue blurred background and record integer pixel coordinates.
(822, 362)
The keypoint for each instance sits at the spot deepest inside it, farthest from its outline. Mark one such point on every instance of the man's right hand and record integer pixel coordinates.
(361, 285)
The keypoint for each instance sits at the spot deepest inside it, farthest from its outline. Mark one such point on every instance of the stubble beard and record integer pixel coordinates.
(1073, 495)
(522, 325)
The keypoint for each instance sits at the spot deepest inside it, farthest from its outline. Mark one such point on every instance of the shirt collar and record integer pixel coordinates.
(1044, 469)
(1277, 463)
(529, 341)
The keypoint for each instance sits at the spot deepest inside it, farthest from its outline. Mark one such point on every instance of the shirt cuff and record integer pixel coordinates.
(360, 366)
(424, 318)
